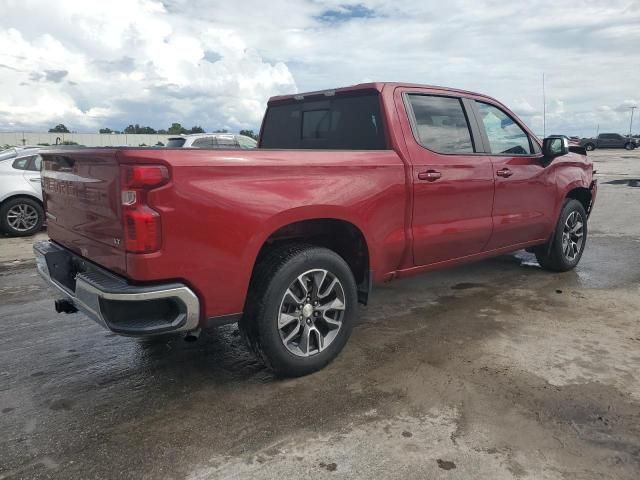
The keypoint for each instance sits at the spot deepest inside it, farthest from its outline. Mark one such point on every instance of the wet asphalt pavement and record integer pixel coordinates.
(491, 370)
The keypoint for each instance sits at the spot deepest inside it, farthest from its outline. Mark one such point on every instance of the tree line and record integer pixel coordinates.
(174, 129)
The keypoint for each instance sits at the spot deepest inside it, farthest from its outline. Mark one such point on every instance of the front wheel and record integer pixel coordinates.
(630, 146)
(300, 309)
(568, 241)
(590, 147)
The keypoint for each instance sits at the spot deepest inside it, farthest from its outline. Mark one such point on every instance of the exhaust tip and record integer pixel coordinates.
(65, 306)
(192, 336)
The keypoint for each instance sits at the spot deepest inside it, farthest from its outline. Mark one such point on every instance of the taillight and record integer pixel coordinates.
(145, 176)
(142, 229)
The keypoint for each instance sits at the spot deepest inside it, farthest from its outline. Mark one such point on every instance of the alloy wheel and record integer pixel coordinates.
(22, 217)
(311, 312)
(572, 236)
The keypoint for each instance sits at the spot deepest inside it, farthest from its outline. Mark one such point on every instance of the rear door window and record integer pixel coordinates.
(440, 124)
(226, 143)
(36, 163)
(22, 163)
(341, 122)
(206, 142)
(246, 142)
(506, 137)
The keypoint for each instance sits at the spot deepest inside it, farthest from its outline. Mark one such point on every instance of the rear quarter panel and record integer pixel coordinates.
(221, 206)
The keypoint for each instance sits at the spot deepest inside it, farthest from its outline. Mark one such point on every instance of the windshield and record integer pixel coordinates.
(176, 142)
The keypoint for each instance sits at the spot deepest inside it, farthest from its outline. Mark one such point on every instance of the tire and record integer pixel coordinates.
(267, 324)
(565, 250)
(629, 146)
(21, 216)
(589, 147)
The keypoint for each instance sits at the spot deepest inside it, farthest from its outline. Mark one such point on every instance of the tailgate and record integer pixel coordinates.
(82, 200)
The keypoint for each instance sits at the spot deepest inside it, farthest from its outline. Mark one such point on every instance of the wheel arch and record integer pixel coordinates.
(583, 195)
(338, 234)
(20, 195)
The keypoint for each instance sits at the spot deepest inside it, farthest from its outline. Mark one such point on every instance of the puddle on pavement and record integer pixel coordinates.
(631, 182)
(466, 286)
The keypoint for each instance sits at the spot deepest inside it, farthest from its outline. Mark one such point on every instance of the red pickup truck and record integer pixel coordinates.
(348, 188)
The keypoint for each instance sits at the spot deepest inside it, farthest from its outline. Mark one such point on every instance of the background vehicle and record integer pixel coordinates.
(212, 141)
(609, 140)
(21, 211)
(349, 188)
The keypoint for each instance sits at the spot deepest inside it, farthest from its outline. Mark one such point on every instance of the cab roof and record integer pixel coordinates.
(378, 86)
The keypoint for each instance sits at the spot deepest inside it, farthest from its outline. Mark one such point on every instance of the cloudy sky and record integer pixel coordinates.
(93, 63)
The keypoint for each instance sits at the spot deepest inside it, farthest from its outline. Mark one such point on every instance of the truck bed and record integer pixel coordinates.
(218, 208)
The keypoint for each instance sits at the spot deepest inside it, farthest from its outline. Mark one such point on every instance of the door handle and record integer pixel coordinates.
(504, 172)
(429, 175)
(34, 180)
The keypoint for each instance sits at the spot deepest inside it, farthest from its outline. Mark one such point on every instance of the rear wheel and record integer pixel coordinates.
(300, 309)
(21, 216)
(568, 241)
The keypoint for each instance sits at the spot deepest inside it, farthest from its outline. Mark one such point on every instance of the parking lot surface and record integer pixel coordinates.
(493, 370)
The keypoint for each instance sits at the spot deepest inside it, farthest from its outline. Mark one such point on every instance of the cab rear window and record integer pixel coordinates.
(352, 122)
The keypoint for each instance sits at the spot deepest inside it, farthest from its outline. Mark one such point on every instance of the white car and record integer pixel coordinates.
(21, 211)
(212, 140)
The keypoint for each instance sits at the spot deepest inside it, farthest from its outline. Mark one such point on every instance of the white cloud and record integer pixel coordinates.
(112, 63)
(152, 62)
(626, 106)
(521, 106)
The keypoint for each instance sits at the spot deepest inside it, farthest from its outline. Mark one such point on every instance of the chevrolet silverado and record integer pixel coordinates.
(348, 188)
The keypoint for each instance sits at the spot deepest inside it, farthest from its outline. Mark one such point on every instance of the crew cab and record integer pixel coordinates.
(348, 188)
(609, 140)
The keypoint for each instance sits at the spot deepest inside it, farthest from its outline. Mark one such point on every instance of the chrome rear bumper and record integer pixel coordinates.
(136, 310)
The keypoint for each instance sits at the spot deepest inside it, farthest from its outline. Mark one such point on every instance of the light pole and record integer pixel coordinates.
(544, 109)
(631, 121)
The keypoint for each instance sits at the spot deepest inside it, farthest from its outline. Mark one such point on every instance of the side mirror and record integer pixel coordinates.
(553, 147)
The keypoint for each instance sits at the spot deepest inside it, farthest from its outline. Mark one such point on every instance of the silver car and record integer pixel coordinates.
(21, 211)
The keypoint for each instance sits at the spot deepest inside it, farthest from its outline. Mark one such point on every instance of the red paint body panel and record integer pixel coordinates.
(220, 207)
(451, 216)
(524, 203)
